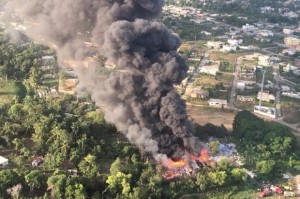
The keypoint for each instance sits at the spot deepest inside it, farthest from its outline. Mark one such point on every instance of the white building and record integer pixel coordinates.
(290, 14)
(265, 111)
(289, 51)
(217, 102)
(249, 28)
(287, 31)
(241, 85)
(265, 96)
(266, 33)
(291, 94)
(243, 98)
(285, 88)
(264, 60)
(206, 33)
(227, 48)
(214, 44)
(3, 162)
(266, 9)
(234, 42)
(289, 68)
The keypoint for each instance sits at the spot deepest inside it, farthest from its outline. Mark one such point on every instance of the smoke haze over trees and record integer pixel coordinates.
(138, 97)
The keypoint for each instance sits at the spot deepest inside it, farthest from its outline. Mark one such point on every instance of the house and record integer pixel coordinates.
(206, 33)
(259, 68)
(274, 59)
(217, 102)
(198, 92)
(244, 98)
(241, 85)
(191, 69)
(264, 60)
(291, 41)
(3, 162)
(214, 44)
(287, 31)
(234, 42)
(37, 161)
(285, 88)
(290, 14)
(228, 48)
(289, 68)
(265, 96)
(266, 9)
(265, 111)
(266, 33)
(291, 94)
(296, 71)
(288, 51)
(47, 58)
(249, 28)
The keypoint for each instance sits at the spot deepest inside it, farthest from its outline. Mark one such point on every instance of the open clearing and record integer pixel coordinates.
(216, 116)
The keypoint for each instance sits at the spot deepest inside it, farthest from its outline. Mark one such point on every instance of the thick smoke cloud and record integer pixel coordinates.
(139, 96)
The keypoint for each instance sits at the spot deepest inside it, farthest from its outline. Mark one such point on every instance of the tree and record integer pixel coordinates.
(217, 177)
(265, 167)
(116, 166)
(224, 164)
(202, 181)
(239, 174)
(57, 183)
(119, 183)
(75, 191)
(36, 180)
(149, 185)
(8, 178)
(88, 166)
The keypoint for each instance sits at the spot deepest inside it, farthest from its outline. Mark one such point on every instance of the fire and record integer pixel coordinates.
(186, 167)
(177, 164)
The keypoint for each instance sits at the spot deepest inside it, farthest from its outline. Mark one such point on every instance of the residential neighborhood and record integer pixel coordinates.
(150, 99)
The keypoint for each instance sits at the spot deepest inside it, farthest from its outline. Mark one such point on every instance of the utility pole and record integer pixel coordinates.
(262, 88)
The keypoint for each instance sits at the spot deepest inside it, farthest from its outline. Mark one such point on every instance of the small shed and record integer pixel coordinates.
(3, 162)
(198, 92)
(37, 161)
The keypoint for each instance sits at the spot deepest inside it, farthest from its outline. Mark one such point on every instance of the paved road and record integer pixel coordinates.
(235, 81)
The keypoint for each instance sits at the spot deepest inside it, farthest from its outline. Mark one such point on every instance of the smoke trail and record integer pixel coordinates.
(139, 96)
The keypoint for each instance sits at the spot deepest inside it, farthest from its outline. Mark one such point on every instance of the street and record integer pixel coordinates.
(235, 81)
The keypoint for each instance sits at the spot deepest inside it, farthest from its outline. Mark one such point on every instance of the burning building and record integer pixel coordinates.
(141, 101)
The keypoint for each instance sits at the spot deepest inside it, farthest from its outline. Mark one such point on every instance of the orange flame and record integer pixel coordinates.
(176, 164)
(204, 155)
(182, 167)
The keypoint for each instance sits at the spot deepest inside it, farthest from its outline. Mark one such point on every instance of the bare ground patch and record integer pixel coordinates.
(204, 115)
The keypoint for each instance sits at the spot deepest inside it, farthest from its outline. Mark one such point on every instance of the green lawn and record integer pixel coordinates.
(7, 91)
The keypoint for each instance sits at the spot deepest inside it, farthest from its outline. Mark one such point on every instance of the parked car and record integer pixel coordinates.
(276, 189)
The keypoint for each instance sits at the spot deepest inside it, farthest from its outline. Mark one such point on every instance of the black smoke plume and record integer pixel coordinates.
(138, 96)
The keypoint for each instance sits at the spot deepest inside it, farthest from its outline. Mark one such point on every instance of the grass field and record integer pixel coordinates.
(7, 91)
